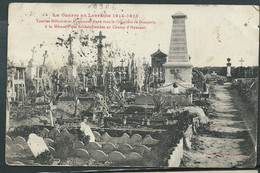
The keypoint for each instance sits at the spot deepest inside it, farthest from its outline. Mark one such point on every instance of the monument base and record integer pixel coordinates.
(182, 87)
(179, 72)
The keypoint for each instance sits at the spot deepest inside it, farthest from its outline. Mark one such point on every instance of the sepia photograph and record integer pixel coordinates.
(132, 85)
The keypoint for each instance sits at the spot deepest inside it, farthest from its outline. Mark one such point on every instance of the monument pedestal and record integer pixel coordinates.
(179, 72)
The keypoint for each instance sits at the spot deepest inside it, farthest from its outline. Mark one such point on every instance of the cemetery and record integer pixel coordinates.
(132, 114)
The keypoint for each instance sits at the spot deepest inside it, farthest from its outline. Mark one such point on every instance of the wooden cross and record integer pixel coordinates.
(241, 61)
(122, 62)
(45, 55)
(100, 37)
(33, 51)
(70, 43)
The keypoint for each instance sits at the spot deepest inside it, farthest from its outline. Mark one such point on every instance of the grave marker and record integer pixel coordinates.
(37, 144)
(125, 148)
(8, 141)
(136, 139)
(48, 141)
(93, 146)
(17, 148)
(99, 156)
(133, 157)
(82, 153)
(78, 145)
(116, 156)
(44, 133)
(20, 140)
(108, 147)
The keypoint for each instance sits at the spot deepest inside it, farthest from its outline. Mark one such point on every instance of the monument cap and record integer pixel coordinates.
(179, 15)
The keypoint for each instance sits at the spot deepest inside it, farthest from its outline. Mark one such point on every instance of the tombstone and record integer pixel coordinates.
(148, 140)
(20, 140)
(54, 133)
(136, 139)
(228, 68)
(99, 156)
(141, 149)
(125, 148)
(108, 147)
(37, 144)
(82, 153)
(44, 133)
(53, 152)
(78, 145)
(49, 142)
(105, 137)
(116, 156)
(93, 146)
(65, 133)
(8, 141)
(18, 148)
(124, 139)
(97, 135)
(134, 157)
(7, 148)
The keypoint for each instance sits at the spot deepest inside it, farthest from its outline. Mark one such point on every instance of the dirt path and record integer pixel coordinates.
(223, 144)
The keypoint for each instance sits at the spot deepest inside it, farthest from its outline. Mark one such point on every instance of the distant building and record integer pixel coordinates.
(158, 59)
(16, 83)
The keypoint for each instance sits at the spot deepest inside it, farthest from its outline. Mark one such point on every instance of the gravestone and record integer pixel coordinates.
(178, 67)
(18, 148)
(136, 139)
(99, 156)
(141, 149)
(48, 141)
(54, 133)
(52, 150)
(124, 139)
(44, 133)
(93, 146)
(133, 157)
(116, 156)
(106, 137)
(8, 141)
(125, 148)
(37, 144)
(148, 140)
(97, 135)
(82, 153)
(78, 145)
(20, 140)
(108, 147)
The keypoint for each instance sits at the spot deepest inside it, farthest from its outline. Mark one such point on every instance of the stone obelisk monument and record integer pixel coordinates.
(178, 68)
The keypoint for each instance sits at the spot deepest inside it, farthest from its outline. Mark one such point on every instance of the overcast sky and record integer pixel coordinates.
(214, 33)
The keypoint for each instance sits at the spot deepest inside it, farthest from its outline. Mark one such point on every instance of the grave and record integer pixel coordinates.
(37, 144)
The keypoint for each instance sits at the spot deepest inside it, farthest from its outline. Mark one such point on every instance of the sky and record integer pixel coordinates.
(214, 32)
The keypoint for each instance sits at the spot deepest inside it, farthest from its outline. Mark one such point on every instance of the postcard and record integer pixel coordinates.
(132, 85)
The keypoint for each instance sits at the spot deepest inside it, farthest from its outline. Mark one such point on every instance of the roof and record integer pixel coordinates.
(159, 53)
